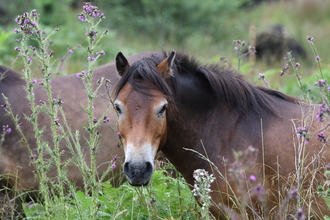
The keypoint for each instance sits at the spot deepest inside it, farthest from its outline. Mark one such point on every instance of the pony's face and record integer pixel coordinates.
(142, 125)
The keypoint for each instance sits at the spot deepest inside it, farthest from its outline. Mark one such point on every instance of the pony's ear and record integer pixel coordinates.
(121, 63)
(165, 67)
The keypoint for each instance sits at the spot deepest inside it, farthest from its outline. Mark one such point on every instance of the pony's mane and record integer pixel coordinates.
(203, 86)
(9, 76)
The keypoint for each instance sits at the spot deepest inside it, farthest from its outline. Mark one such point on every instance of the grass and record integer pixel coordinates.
(300, 18)
(166, 197)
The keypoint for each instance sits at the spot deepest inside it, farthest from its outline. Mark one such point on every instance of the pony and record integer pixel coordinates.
(15, 161)
(202, 116)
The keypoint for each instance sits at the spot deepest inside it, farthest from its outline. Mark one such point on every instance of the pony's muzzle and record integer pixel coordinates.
(138, 174)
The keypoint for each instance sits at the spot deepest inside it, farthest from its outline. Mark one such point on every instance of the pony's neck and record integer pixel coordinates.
(189, 135)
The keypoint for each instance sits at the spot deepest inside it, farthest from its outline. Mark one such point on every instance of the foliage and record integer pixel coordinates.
(165, 198)
(175, 20)
(179, 23)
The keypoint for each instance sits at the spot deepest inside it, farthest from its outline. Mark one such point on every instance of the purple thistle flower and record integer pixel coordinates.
(90, 11)
(252, 178)
(113, 165)
(82, 18)
(106, 119)
(33, 157)
(293, 194)
(302, 132)
(259, 189)
(297, 64)
(57, 122)
(323, 112)
(310, 38)
(6, 128)
(321, 83)
(317, 58)
(327, 167)
(284, 69)
(321, 137)
(16, 48)
(118, 133)
(300, 214)
(70, 51)
(79, 75)
(251, 49)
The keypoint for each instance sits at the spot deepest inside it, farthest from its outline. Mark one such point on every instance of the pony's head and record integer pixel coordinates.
(142, 99)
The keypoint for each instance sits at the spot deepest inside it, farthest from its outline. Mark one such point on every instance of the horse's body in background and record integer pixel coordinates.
(15, 161)
(183, 108)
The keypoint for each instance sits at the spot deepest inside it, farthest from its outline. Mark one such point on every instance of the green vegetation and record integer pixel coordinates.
(206, 30)
(165, 198)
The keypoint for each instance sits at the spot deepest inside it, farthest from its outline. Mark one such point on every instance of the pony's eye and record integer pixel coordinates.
(165, 106)
(118, 109)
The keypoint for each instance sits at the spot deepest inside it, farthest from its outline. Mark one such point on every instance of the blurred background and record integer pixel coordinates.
(205, 29)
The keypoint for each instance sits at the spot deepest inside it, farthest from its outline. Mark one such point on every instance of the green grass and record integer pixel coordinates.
(300, 18)
(166, 197)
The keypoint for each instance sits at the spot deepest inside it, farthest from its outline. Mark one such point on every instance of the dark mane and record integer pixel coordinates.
(8, 76)
(202, 86)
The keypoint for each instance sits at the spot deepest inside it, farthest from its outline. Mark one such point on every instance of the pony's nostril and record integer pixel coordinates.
(149, 168)
(126, 168)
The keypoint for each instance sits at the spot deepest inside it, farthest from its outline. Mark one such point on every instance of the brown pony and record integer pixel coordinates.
(200, 116)
(15, 158)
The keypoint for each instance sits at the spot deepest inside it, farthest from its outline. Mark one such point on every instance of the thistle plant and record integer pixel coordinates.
(202, 189)
(262, 78)
(295, 74)
(92, 16)
(29, 30)
(239, 44)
